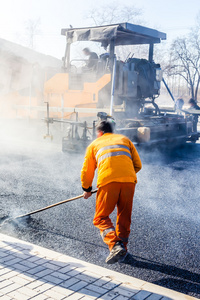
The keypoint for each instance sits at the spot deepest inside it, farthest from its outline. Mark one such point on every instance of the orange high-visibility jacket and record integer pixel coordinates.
(115, 157)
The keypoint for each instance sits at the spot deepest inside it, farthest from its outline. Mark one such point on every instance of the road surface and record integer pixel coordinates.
(165, 236)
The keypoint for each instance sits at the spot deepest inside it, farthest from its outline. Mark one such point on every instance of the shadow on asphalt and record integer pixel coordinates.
(37, 227)
(65, 275)
(183, 280)
(180, 280)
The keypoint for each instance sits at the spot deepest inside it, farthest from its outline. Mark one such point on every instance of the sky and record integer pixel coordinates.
(174, 17)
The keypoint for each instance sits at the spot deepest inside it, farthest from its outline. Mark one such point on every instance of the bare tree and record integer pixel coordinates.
(185, 59)
(32, 29)
(114, 13)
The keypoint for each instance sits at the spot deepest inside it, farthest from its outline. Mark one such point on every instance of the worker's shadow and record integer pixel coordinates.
(36, 267)
(43, 275)
(23, 258)
(181, 280)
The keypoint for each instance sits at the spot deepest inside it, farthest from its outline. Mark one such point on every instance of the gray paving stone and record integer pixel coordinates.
(79, 285)
(44, 273)
(87, 292)
(69, 282)
(110, 295)
(88, 298)
(26, 251)
(33, 258)
(36, 270)
(120, 297)
(51, 266)
(15, 247)
(110, 285)
(154, 297)
(19, 267)
(66, 269)
(3, 254)
(6, 258)
(40, 261)
(102, 281)
(125, 292)
(141, 295)
(3, 249)
(28, 264)
(85, 278)
(60, 275)
(22, 255)
(13, 261)
(74, 273)
(23, 247)
(59, 263)
(52, 279)
(7, 247)
(98, 289)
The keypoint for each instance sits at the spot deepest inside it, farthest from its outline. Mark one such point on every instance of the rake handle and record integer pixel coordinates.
(52, 205)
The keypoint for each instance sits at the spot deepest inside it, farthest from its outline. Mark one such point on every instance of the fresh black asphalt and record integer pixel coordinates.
(165, 238)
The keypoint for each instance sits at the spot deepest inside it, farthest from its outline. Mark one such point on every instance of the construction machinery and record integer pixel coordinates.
(123, 89)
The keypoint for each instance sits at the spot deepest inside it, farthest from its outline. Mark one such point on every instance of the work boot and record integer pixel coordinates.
(117, 252)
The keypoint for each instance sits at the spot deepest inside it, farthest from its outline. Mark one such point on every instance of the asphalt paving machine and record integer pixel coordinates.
(125, 90)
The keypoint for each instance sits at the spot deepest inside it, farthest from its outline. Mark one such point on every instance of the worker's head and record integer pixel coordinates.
(192, 102)
(86, 51)
(104, 127)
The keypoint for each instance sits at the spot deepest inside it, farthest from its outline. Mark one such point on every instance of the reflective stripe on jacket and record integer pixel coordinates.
(115, 157)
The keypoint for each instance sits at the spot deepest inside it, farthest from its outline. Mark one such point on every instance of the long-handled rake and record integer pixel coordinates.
(5, 220)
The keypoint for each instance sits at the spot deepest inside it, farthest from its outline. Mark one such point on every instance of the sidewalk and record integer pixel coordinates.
(28, 271)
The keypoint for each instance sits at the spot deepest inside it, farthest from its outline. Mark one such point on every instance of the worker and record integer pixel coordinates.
(118, 162)
(92, 60)
(194, 106)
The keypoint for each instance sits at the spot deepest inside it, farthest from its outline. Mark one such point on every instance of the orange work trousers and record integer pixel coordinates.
(109, 196)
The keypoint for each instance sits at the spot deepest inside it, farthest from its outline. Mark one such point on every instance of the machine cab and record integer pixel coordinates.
(134, 79)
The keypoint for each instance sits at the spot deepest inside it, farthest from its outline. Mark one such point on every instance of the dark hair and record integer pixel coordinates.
(192, 101)
(104, 126)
